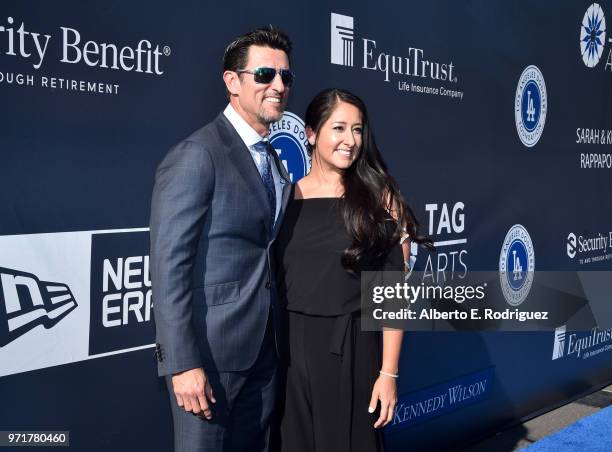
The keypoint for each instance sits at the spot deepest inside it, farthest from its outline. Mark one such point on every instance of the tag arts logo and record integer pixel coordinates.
(412, 64)
(516, 265)
(447, 227)
(530, 106)
(29, 302)
(288, 138)
(589, 249)
(581, 345)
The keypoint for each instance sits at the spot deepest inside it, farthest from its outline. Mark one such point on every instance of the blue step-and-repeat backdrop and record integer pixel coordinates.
(495, 117)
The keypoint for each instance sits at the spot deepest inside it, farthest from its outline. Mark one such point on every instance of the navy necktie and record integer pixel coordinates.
(264, 166)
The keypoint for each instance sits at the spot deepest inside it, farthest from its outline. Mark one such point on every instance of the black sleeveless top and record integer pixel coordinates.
(308, 252)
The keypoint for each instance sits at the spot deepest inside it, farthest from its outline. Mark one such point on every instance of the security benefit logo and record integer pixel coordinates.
(530, 106)
(516, 265)
(26, 302)
(413, 69)
(121, 305)
(581, 344)
(589, 248)
(288, 138)
(53, 52)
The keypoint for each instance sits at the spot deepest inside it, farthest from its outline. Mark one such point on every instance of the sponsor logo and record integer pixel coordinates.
(589, 248)
(530, 105)
(100, 304)
(559, 346)
(412, 68)
(288, 138)
(419, 406)
(143, 57)
(120, 300)
(447, 229)
(581, 345)
(18, 41)
(28, 302)
(516, 265)
(571, 245)
(592, 35)
(342, 39)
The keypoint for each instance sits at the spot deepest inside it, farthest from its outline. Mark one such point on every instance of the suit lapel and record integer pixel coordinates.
(286, 181)
(242, 160)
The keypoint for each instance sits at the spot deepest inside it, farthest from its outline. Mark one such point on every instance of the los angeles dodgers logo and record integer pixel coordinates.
(530, 106)
(516, 265)
(288, 138)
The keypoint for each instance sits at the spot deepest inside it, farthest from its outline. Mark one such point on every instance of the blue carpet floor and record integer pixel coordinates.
(591, 434)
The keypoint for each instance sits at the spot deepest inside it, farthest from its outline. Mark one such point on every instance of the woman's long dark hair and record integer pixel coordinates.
(371, 195)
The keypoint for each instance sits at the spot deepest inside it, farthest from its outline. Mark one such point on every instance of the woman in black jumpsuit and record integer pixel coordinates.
(342, 218)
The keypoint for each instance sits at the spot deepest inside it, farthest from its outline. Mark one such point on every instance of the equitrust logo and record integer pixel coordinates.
(342, 40)
(412, 69)
(28, 302)
(581, 344)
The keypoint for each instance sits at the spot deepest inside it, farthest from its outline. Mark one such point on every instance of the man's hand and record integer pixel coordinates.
(193, 392)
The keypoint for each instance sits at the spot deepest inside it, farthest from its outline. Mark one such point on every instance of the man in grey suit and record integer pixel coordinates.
(218, 199)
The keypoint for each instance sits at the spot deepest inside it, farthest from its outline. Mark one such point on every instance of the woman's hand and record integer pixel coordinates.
(385, 390)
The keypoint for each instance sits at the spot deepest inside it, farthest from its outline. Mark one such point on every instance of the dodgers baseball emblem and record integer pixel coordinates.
(530, 106)
(288, 138)
(516, 265)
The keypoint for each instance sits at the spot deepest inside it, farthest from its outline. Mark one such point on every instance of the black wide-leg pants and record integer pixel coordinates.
(332, 366)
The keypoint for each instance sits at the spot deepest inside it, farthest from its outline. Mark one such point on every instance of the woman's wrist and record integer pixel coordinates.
(389, 374)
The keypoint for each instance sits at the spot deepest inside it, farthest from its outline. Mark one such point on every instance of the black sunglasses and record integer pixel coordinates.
(267, 74)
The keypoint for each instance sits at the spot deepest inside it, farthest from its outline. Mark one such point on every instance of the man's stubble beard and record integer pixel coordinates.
(269, 118)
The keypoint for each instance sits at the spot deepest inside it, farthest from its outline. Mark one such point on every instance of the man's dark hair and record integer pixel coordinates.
(237, 52)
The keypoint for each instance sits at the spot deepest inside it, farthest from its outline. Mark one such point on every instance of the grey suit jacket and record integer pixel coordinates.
(212, 274)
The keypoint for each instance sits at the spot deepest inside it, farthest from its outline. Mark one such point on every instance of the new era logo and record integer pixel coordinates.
(26, 302)
(559, 347)
(341, 39)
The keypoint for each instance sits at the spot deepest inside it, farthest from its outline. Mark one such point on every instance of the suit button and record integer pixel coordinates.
(268, 285)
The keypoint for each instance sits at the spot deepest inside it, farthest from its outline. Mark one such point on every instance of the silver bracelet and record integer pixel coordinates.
(382, 372)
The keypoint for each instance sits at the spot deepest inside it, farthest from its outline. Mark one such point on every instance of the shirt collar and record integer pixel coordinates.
(246, 132)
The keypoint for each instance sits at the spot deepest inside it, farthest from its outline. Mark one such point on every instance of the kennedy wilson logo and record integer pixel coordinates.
(516, 265)
(413, 69)
(530, 106)
(288, 138)
(71, 296)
